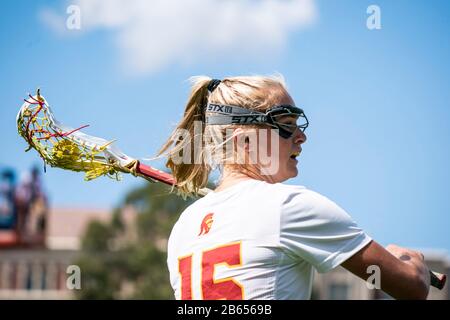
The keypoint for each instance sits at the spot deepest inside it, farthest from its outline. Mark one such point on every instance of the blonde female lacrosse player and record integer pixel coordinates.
(254, 237)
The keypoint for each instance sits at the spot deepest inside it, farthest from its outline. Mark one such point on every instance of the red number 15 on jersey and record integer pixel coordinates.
(212, 289)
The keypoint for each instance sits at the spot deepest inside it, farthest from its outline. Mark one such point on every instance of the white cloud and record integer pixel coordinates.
(152, 35)
(53, 20)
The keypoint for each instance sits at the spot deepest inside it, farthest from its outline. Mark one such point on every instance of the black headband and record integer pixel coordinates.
(213, 84)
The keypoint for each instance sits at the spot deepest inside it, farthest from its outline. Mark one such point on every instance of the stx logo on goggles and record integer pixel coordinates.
(248, 119)
(219, 108)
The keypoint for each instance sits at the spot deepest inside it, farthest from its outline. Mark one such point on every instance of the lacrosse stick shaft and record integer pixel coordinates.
(155, 174)
(437, 280)
(161, 176)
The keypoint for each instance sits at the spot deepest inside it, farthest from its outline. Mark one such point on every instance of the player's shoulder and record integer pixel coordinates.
(282, 194)
(251, 193)
(288, 192)
(298, 200)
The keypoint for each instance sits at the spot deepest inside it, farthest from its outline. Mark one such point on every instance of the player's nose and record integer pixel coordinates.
(299, 136)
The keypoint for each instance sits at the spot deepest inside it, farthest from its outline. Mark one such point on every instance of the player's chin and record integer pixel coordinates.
(292, 171)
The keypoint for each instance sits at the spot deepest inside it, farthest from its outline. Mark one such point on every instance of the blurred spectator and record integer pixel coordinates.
(32, 208)
(8, 208)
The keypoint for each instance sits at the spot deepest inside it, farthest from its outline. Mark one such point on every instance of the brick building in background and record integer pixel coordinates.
(39, 272)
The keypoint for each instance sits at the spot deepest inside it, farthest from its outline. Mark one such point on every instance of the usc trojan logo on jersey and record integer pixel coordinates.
(206, 224)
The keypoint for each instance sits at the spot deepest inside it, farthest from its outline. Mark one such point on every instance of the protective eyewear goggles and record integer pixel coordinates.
(219, 114)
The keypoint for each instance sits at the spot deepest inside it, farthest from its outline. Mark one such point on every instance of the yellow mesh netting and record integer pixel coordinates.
(60, 148)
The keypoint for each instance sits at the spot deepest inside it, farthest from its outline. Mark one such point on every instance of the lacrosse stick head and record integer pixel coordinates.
(67, 148)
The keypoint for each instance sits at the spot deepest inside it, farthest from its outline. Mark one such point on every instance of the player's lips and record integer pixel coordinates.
(295, 154)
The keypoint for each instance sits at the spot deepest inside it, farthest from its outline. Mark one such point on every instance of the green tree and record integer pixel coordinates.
(121, 261)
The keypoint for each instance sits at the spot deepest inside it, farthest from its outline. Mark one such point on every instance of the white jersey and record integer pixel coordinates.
(256, 240)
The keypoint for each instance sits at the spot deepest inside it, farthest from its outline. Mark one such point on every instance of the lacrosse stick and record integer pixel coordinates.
(67, 148)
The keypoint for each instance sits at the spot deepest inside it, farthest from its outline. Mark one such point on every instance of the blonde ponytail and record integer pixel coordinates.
(193, 176)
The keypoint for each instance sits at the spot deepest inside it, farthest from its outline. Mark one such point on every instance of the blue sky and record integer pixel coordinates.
(377, 100)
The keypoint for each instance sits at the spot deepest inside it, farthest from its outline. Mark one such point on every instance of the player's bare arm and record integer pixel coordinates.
(404, 274)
